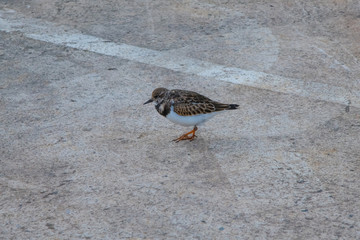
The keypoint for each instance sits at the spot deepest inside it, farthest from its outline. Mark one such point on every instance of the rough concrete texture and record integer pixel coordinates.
(82, 158)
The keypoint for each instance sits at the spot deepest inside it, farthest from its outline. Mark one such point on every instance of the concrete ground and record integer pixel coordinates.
(82, 158)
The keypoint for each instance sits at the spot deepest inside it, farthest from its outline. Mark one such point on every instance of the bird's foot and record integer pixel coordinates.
(186, 136)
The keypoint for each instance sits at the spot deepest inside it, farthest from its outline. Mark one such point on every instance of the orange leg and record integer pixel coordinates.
(186, 136)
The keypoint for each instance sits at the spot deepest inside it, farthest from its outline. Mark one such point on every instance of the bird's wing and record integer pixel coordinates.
(187, 103)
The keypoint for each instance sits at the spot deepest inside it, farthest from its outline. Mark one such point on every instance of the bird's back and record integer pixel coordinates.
(187, 103)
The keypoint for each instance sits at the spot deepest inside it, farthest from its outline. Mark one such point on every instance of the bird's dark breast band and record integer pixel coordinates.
(162, 108)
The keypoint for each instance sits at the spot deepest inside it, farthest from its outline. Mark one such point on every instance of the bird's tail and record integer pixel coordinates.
(223, 106)
(232, 106)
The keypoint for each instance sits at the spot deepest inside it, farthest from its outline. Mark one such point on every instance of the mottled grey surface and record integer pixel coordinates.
(82, 158)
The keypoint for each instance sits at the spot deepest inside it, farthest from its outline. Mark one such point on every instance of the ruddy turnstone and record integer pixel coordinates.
(186, 108)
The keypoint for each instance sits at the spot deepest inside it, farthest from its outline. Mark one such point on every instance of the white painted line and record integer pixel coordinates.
(11, 21)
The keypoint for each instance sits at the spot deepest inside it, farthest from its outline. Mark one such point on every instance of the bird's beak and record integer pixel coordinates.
(148, 101)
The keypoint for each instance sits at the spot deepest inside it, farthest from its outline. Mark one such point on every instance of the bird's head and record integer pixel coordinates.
(157, 95)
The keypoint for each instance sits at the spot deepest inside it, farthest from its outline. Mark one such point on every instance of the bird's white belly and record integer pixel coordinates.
(189, 120)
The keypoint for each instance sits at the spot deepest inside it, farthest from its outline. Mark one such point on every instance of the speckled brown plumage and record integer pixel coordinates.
(188, 103)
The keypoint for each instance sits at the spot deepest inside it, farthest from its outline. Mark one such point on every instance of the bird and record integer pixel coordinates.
(186, 108)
